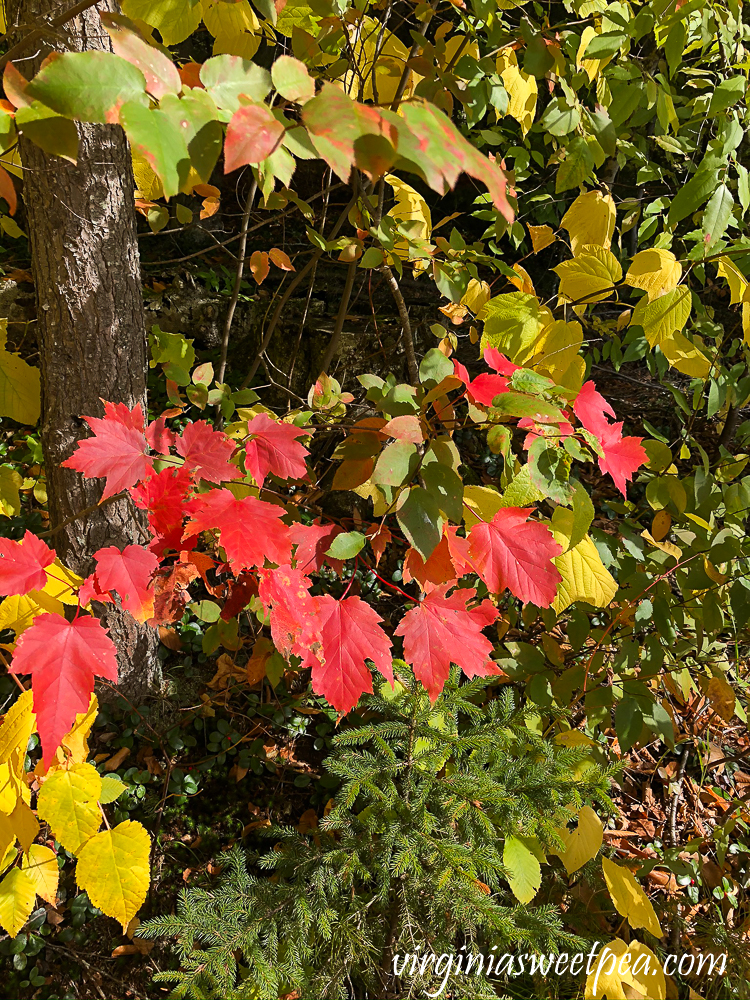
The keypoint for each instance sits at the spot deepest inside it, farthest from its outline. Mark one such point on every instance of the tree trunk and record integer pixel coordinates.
(91, 324)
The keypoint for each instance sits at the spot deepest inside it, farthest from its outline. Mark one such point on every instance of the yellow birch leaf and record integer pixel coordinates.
(541, 237)
(589, 277)
(583, 843)
(411, 210)
(12, 785)
(655, 271)
(456, 42)
(584, 577)
(7, 835)
(41, 867)
(629, 898)
(512, 324)
(591, 67)
(68, 802)
(25, 825)
(557, 354)
(9, 857)
(477, 295)
(590, 220)
(10, 484)
(618, 965)
(686, 357)
(148, 185)
(523, 282)
(20, 610)
(113, 868)
(173, 19)
(738, 284)
(17, 898)
(664, 317)
(521, 88)
(521, 858)
(17, 727)
(244, 45)
(20, 386)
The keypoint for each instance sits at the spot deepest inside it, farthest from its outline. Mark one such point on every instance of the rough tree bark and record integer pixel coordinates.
(91, 323)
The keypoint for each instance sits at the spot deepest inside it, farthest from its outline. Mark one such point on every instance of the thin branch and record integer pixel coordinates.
(36, 33)
(416, 48)
(333, 344)
(411, 358)
(238, 275)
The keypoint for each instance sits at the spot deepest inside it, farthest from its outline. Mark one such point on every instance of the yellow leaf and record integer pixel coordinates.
(541, 237)
(41, 867)
(584, 575)
(147, 185)
(590, 220)
(662, 318)
(411, 210)
(523, 282)
(20, 389)
(660, 525)
(655, 271)
(228, 19)
(8, 857)
(25, 825)
(629, 898)
(512, 324)
(68, 802)
(589, 277)
(12, 785)
(738, 284)
(619, 965)
(669, 547)
(686, 357)
(7, 836)
(521, 88)
(452, 46)
(592, 67)
(366, 37)
(17, 897)
(477, 295)
(113, 868)
(521, 858)
(583, 843)
(173, 19)
(17, 727)
(556, 354)
(74, 748)
(10, 483)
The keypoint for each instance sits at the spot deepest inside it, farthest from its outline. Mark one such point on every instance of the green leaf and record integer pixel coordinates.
(628, 723)
(88, 86)
(159, 140)
(20, 387)
(226, 78)
(292, 80)
(49, 131)
(728, 93)
(112, 788)
(549, 470)
(515, 404)
(10, 483)
(605, 46)
(206, 611)
(576, 167)
(420, 520)
(521, 858)
(692, 195)
(435, 366)
(396, 465)
(347, 545)
(717, 215)
(174, 352)
(447, 487)
(196, 117)
(559, 118)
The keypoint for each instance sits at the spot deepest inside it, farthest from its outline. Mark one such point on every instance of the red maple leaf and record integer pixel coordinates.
(163, 495)
(170, 586)
(499, 362)
(22, 564)
(285, 592)
(63, 658)
(313, 541)
(207, 452)
(129, 573)
(118, 450)
(243, 589)
(441, 630)
(350, 634)
(250, 530)
(379, 536)
(482, 389)
(590, 407)
(448, 562)
(159, 436)
(512, 551)
(622, 455)
(274, 448)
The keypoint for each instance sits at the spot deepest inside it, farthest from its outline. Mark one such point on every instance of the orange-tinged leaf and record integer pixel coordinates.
(259, 266)
(252, 135)
(129, 573)
(8, 191)
(541, 237)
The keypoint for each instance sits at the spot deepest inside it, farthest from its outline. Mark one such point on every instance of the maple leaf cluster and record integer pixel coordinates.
(203, 487)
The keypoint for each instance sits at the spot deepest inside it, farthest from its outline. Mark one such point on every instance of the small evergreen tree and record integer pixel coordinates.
(408, 860)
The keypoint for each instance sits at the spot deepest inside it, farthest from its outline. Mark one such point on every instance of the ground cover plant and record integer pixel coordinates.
(373, 501)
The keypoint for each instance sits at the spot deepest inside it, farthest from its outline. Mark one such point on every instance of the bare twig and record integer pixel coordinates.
(416, 48)
(333, 344)
(238, 275)
(411, 358)
(676, 796)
